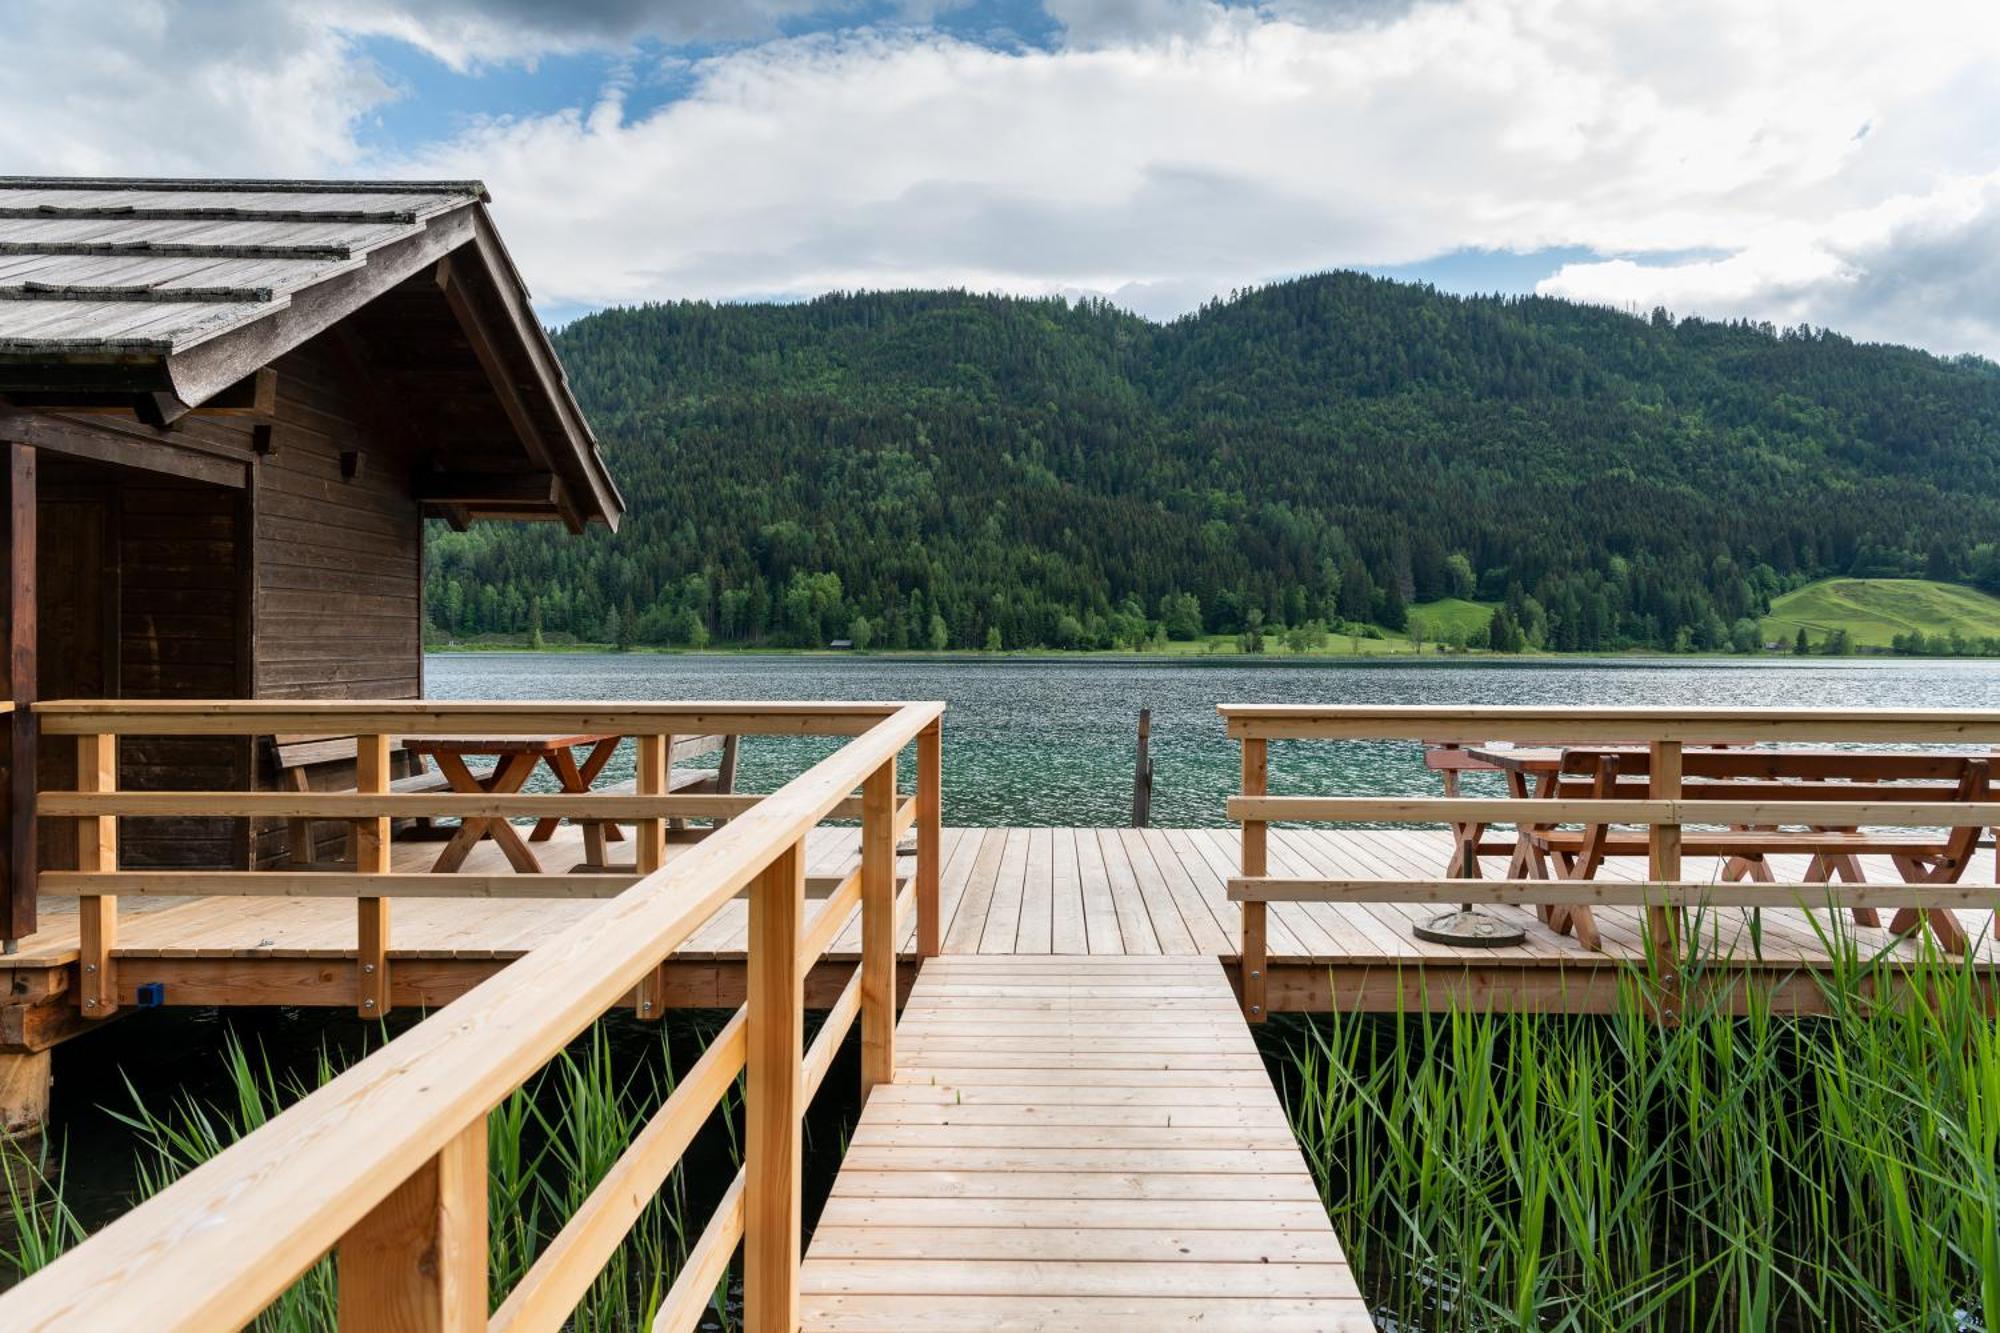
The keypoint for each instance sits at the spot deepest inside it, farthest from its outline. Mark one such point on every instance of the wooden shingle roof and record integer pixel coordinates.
(178, 289)
(159, 266)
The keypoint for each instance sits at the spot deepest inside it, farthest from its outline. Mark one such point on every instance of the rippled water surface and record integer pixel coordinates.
(1051, 741)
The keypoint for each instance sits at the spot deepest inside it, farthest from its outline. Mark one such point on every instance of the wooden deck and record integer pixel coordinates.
(1075, 1143)
(1003, 892)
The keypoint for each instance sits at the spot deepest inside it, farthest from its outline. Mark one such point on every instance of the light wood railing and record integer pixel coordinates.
(1664, 735)
(386, 1168)
(96, 806)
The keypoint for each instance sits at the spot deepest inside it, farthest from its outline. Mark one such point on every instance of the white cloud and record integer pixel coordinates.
(1836, 156)
(1914, 269)
(156, 88)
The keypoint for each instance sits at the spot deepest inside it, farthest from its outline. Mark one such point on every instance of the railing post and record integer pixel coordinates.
(930, 835)
(97, 853)
(371, 857)
(1663, 850)
(655, 756)
(1256, 862)
(19, 866)
(878, 928)
(417, 1262)
(774, 1097)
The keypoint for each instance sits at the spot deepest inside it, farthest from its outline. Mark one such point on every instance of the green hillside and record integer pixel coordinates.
(941, 468)
(1452, 619)
(1875, 611)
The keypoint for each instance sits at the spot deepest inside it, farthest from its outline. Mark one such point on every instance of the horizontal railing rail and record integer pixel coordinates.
(435, 717)
(377, 728)
(1475, 725)
(385, 1165)
(1671, 810)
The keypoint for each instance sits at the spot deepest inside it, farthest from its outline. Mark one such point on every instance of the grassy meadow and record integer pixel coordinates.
(1874, 611)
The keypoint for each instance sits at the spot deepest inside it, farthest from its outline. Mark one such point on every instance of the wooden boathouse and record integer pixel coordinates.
(229, 408)
(226, 410)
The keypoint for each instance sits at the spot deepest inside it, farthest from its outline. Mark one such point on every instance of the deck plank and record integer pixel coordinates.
(1077, 1171)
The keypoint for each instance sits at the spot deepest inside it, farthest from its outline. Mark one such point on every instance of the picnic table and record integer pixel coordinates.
(515, 759)
(1609, 772)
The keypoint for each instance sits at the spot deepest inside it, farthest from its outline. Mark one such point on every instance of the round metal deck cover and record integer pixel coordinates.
(1469, 928)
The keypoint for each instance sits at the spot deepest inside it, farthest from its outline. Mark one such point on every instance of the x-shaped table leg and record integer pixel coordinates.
(508, 777)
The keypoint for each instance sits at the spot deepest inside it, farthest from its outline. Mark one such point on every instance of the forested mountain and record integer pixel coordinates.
(921, 469)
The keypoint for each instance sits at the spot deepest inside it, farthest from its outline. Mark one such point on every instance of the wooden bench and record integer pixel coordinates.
(721, 778)
(296, 757)
(680, 782)
(1779, 775)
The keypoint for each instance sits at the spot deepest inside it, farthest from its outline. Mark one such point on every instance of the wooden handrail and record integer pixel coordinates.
(438, 805)
(343, 884)
(1473, 725)
(238, 717)
(1531, 810)
(1610, 893)
(216, 1247)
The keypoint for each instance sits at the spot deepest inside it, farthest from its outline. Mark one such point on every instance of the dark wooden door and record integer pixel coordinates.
(77, 607)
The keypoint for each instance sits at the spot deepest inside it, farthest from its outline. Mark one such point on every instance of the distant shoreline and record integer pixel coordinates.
(1182, 658)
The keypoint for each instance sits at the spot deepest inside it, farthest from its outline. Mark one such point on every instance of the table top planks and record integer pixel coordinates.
(1072, 1142)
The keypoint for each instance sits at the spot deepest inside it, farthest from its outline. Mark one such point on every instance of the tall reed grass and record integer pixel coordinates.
(1729, 1168)
(548, 1146)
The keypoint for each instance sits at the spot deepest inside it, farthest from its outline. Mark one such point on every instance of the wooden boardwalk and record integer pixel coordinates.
(1075, 1143)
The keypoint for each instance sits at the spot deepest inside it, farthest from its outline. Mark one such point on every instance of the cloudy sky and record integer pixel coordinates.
(1829, 161)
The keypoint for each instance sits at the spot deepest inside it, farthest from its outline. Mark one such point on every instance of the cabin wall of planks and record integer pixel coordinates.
(338, 562)
(304, 581)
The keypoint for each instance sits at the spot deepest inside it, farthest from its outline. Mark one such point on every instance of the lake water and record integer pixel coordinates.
(1050, 741)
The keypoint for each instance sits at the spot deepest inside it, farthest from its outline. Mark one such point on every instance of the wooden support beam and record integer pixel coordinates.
(371, 857)
(97, 853)
(1256, 862)
(930, 837)
(493, 361)
(878, 929)
(18, 661)
(478, 488)
(25, 1079)
(417, 1262)
(254, 396)
(774, 1096)
(170, 453)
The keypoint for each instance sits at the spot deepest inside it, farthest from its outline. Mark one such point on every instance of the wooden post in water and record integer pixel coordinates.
(1142, 773)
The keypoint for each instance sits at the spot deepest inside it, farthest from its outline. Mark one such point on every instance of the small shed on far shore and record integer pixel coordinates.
(226, 410)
